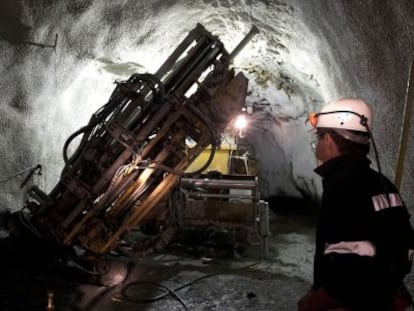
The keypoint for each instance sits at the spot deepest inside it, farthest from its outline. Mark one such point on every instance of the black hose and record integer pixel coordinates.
(102, 113)
(213, 141)
(167, 292)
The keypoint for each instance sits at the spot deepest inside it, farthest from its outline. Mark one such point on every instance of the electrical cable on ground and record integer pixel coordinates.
(173, 293)
(168, 291)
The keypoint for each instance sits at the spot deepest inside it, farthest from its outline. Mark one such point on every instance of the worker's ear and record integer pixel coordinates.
(331, 144)
(328, 138)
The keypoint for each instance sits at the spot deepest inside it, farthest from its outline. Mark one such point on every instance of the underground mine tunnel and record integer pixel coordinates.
(78, 73)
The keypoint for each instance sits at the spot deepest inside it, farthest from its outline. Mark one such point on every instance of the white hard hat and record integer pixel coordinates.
(346, 114)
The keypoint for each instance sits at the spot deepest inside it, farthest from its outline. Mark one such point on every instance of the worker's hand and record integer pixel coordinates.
(305, 303)
(402, 299)
(317, 300)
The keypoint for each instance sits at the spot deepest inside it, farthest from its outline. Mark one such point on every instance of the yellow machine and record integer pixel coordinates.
(220, 162)
(228, 160)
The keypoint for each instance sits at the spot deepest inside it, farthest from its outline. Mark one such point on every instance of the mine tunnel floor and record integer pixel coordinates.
(199, 270)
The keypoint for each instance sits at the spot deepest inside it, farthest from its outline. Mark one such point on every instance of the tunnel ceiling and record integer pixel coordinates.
(60, 60)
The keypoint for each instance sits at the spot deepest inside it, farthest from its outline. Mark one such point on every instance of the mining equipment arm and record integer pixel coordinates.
(129, 170)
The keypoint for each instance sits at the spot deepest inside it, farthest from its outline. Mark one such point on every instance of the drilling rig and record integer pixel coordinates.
(133, 168)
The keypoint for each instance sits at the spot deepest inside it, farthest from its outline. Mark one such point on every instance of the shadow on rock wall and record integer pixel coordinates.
(12, 29)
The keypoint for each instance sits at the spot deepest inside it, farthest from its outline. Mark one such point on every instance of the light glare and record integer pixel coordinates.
(241, 122)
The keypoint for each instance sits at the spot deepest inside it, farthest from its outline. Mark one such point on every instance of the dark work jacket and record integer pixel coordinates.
(351, 211)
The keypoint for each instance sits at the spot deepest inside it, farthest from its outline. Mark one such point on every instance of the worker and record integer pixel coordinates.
(363, 235)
